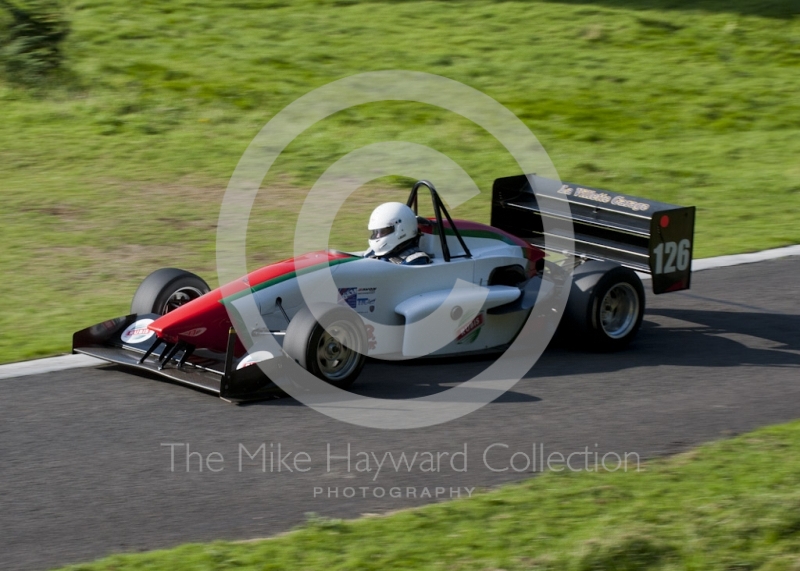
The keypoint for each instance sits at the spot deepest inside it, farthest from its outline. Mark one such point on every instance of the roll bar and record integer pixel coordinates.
(438, 210)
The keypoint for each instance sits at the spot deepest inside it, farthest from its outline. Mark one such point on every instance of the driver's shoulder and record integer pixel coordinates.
(418, 258)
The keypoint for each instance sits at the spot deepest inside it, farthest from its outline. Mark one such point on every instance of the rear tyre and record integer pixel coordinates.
(605, 307)
(332, 348)
(167, 289)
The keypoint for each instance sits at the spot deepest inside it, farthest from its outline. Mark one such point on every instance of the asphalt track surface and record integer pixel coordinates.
(84, 473)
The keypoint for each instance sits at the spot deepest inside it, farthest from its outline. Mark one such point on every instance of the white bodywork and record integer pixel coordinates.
(412, 311)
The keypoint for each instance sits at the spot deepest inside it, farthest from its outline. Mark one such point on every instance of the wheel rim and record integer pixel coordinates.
(336, 357)
(180, 297)
(619, 310)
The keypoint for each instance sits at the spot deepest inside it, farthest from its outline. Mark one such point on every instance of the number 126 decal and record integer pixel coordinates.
(678, 256)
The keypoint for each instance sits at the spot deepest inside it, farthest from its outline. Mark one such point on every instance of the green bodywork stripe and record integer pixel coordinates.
(283, 278)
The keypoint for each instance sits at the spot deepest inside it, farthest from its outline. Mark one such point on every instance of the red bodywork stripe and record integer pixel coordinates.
(204, 322)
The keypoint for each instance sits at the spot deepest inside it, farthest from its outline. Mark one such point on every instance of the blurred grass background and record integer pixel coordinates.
(117, 165)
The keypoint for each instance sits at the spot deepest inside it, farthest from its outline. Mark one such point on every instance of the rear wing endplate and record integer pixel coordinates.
(642, 234)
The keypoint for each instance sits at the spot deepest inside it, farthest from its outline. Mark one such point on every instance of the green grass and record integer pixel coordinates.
(729, 505)
(121, 168)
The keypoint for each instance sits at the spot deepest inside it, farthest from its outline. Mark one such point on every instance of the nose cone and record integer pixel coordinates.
(203, 322)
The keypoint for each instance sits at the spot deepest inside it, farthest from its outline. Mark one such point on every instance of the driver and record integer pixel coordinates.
(395, 235)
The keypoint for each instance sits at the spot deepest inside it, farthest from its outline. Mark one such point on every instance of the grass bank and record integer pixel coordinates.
(121, 169)
(733, 504)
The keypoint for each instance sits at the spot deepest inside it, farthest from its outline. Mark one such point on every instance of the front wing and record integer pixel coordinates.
(116, 342)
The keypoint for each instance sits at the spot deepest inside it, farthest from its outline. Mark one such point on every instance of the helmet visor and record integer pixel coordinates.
(381, 232)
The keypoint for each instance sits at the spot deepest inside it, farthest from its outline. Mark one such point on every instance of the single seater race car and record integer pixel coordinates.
(481, 287)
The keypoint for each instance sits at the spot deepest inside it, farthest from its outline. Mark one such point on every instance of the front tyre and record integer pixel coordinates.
(606, 307)
(332, 348)
(167, 289)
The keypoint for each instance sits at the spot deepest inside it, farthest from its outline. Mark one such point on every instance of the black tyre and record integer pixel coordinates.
(167, 289)
(332, 348)
(606, 306)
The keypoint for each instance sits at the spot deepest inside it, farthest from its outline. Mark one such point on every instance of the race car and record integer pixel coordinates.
(328, 311)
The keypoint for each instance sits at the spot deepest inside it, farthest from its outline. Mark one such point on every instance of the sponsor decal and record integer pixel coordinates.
(632, 204)
(592, 195)
(256, 357)
(586, 193)
(372, 342)
(602, 197)
(360, 299)
(348, 296)
(194, 332)
(365, 304)
(137, 332)
(469, 333)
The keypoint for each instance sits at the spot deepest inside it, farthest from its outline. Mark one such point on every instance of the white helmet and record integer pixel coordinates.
(392, 224)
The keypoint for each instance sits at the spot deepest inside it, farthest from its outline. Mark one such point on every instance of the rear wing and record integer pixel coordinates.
(642, 234)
